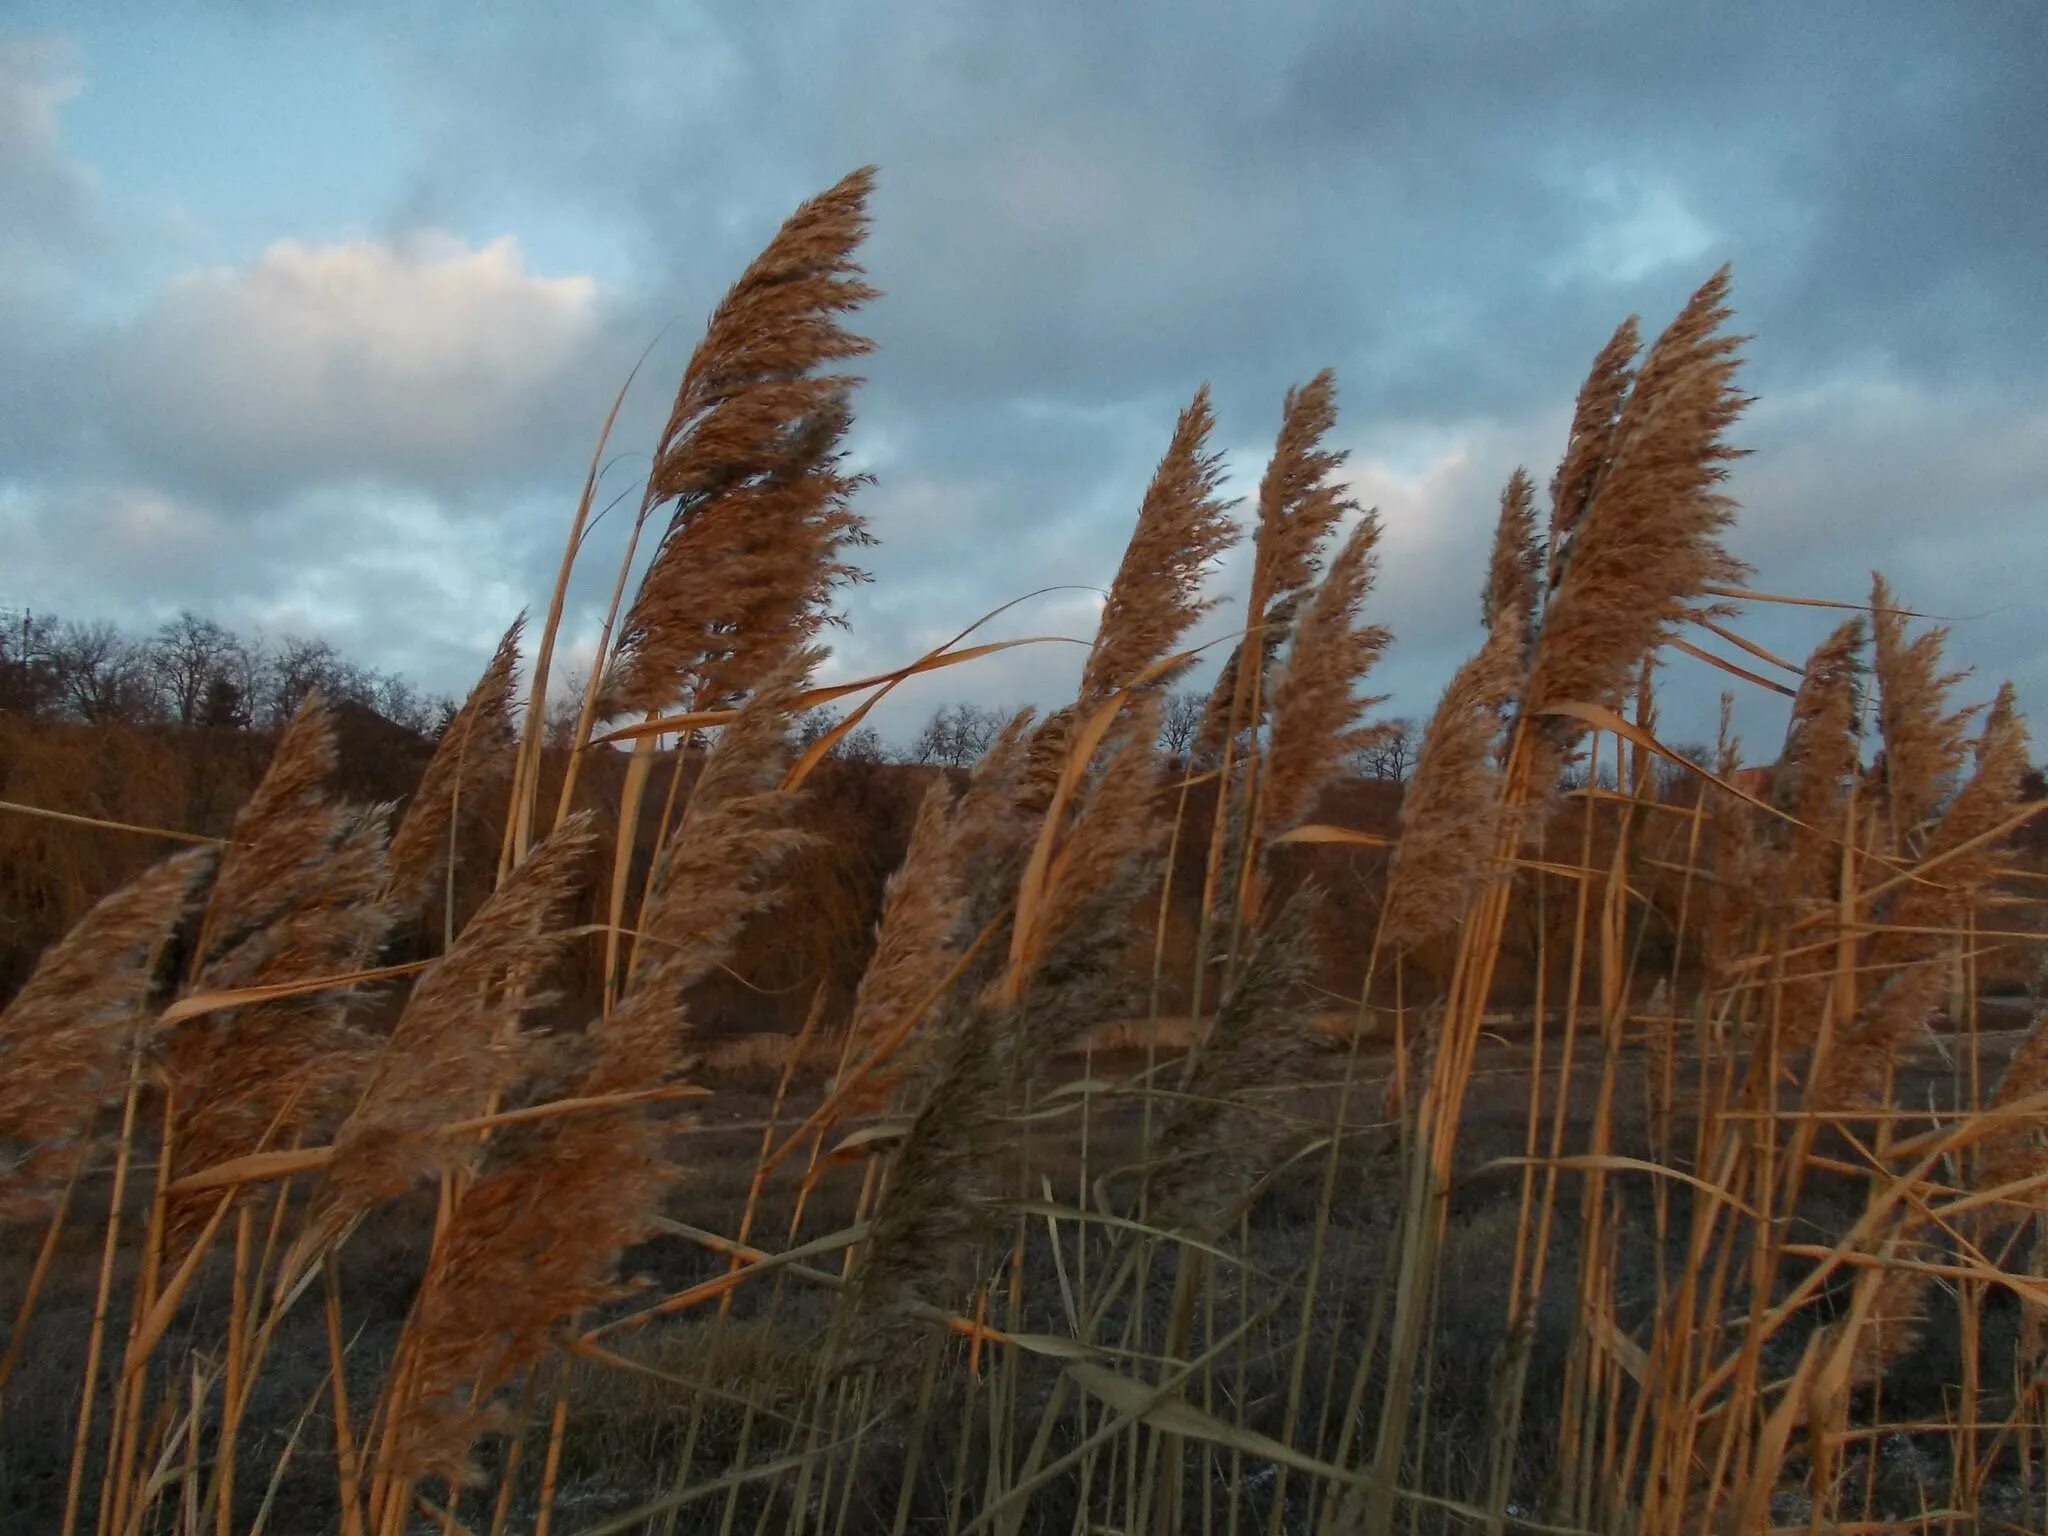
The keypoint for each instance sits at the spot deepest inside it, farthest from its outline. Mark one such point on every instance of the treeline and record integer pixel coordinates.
(190, 671)
(956, 735)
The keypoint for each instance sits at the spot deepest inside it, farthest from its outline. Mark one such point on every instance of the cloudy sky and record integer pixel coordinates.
(308, 315)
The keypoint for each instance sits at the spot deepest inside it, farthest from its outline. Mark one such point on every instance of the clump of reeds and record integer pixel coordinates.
(1182, 528)
(1217, 1140)
(542, 1227)
(66, 1038)
(473, 754)
(1637, 515)
(457, 1047)
(1109, 1359)
(300, 897)
(1074, 800)
(749, 462)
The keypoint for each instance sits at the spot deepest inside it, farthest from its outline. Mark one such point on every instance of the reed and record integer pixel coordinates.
(1688, 1197)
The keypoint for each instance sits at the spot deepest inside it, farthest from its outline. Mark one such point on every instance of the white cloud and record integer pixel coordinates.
(423, 363)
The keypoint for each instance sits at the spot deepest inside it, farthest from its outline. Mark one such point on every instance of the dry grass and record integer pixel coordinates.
(1716, 1236)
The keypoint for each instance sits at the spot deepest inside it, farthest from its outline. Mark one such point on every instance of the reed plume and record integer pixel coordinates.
(1890, 1330)
(1108, 842)
(457, 1042)
(1451, 811)
(475, 751)
(1795, 876)
(66, 1035)
(541, 1231)
(750, 458)
(1299, 499)
(1590, 443)
(1218, 1137)
(1928, 915)
(917, 940)
(1516, 563)
(299, 896)
(1062, 976)
(1156, 597)
(1224, 702)
(1300, 502)
(2017, 1150)
(1316, 705)
(1634, 560)
(945, 1166)
(1743, 863)
(1923, 739)
(1823, 744)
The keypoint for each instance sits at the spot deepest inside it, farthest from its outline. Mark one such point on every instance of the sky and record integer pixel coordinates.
(309, 315)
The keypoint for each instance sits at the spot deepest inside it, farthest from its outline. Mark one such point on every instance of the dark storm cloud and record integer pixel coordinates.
(1096, 203)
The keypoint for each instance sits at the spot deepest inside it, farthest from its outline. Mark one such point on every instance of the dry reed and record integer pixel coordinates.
(1451, 813)
(542, 1228)
(750, 458)
(299, 896)
(66, 1037)
(1632, 562)
(1156, 596)
(1923, 740)
(457, 1045)
(474, 752)
(1680, 1380)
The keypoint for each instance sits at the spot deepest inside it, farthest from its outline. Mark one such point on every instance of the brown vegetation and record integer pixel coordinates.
(1213, 1141)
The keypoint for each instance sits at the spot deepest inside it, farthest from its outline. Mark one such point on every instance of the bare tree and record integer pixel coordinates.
(190, 657)
(1388, 751)
(224, 705)
(193, 671)
(1672, 781)
(1181, 722)
(813, 723)
(103, 675)
(398, 701)
(302, 666)
(29, 683)
(956, 735)
(863, 744)
(558, 723)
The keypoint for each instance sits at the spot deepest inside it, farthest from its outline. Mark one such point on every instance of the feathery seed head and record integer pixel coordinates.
(475, 750)
(1923, 739)
(1316, 705)
(1298, 502)
(1516, 561)
(1181, 527)
(1591, 440)
(1450, 813)
(751, 458)
(65, 1036)
(1648, 538)
(1822, 745)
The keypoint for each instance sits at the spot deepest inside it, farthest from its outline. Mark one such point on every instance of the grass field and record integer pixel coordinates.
(1735, 1229)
